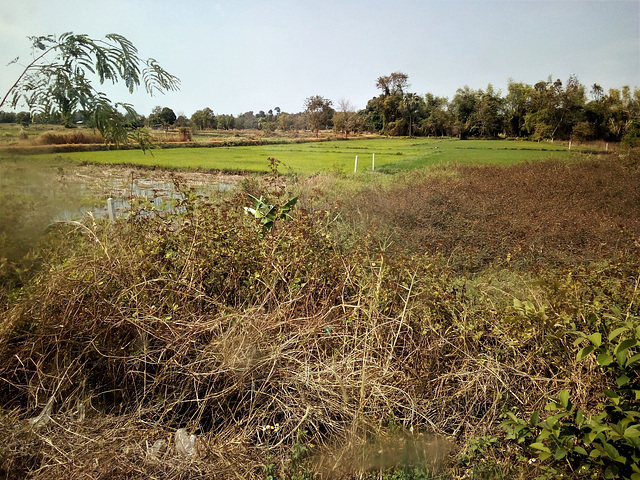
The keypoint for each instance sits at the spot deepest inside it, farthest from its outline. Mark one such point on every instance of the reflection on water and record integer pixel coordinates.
(161, 194)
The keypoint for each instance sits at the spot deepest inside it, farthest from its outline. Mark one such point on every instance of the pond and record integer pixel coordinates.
(159, 190)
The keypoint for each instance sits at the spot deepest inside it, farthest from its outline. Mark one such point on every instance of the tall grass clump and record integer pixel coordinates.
(318, 347)
(205, 321)
(72, 137)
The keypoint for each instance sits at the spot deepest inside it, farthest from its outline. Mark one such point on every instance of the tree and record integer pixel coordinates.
(23, 118)
(488, 114)
(285, 122)
(411, 102)
(517, 103)
(247, 120)
(394, 84)
(344, 118)
(7, 117)
(204, 118)
(597, 92)
(167, 117)
(226, 122)
(463, 107)
(58, 79)
(319, 112)
(555, 109)
(390, 101)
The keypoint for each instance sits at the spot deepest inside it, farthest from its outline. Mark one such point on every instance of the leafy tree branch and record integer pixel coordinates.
(59, 79)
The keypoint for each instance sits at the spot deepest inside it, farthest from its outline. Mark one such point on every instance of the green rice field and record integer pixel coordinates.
(391, 155)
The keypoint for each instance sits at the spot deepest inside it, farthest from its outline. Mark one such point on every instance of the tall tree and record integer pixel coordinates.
(389, 102)
(344, 118)
(436, 119)
(394, 84)
(463, 107)
(167, 117)
(488, 114)
(318, 111)
(58, 79)
(517, 104)
(411, 103)
(204, 118)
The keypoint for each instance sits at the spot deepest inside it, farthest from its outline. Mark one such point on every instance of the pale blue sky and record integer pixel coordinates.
(240, 55)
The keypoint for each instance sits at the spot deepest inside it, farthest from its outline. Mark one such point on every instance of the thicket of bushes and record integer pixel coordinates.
(383, 334)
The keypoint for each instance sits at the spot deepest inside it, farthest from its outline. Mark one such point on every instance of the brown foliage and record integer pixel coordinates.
(532, 213)
(69, 138)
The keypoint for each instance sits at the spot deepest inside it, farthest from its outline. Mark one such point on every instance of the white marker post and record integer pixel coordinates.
(111, 210)
(355, 169)
(373, 163)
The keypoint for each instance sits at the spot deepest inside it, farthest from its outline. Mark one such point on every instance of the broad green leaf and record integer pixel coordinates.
(611, 394)
(595, 338)
(563, 396)
(544, 434)
(552, 406)
(544, 455)
(540, 446)
(611, 472)
(560, 453)
(616, 333)
(584, 352)
(632, 432)
(633, 360)
(552, 422)
(579, 340)
(604, 359)
(622, 380)
(622, 350)
(626, 344)
(580, 450)
(617, 429)
(610, 450)
(291, 202)
(512, 416)
(535, 418)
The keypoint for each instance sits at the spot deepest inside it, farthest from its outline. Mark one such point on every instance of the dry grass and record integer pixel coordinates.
(529, 213)
(258, 343)
(68, 138)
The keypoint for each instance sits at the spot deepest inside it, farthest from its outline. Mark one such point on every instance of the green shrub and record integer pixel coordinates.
(604, 440)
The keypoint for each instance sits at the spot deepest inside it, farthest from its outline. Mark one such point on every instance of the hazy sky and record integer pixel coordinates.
(240, 55)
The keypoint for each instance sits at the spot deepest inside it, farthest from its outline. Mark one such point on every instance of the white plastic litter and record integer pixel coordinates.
(185, 443)
(79, 413)
(157, 449)
(44, 416)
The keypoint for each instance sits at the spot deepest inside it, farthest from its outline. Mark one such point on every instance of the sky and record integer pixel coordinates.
(235, 56)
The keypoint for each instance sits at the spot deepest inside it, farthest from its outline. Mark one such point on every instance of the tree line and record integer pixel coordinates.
(550, 109)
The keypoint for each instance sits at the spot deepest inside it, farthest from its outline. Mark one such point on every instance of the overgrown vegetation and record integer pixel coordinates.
(381, 332)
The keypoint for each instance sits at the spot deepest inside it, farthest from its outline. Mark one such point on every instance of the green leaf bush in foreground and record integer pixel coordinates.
(603, 442)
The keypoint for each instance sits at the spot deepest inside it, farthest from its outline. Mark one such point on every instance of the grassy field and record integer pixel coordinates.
(391, 155)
